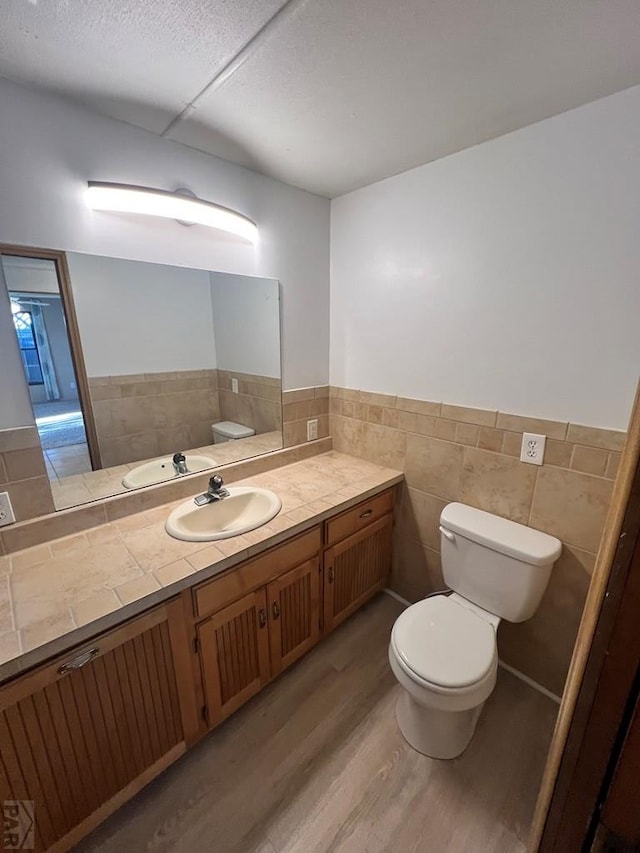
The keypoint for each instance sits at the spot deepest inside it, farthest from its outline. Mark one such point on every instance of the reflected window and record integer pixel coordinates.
(23, 324)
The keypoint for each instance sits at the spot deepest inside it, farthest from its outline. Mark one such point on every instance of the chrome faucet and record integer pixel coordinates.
(215, 492)
(180, 463)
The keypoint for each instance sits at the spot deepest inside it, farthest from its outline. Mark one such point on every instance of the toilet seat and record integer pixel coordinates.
(444, 646)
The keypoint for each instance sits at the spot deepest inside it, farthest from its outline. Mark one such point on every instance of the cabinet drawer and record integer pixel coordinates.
(217, 593)
(355, 519)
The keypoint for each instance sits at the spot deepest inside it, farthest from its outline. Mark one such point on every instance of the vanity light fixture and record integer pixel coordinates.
(125, 198)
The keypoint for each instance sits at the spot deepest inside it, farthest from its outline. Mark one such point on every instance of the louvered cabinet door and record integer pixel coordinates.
(80, 735)
(294, 614)
(355, 569)
(234, 655)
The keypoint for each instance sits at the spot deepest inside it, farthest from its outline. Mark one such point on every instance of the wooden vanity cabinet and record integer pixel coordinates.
(294, 614)
(234, 655)
(358, 566)
(246, 643)
(81, 734)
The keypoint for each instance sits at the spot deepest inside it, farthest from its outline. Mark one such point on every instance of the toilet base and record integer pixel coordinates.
(438, 734)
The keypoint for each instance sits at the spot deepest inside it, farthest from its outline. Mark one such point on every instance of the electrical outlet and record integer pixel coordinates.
(6, 510)
(312, 430)
(532, 450)
(234, 386)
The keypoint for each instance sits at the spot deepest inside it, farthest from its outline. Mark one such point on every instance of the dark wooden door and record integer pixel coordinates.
(621, 810)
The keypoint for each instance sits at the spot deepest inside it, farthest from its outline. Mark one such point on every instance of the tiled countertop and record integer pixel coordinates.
(56, 595)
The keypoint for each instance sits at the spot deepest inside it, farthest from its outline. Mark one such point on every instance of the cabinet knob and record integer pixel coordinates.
(262, 617)
(78, 662)
(275, 610)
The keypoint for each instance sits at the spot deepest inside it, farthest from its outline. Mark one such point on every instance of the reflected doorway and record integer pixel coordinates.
(40, 311)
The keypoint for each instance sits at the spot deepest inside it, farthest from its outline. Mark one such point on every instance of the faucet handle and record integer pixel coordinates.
(178, 458)
(216, 482)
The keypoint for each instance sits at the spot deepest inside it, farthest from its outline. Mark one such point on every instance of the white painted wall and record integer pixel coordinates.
(506, 276)
(141, 318)
(246, 316)
(50, 148)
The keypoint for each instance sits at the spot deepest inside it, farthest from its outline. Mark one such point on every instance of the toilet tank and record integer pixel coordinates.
(500, 565)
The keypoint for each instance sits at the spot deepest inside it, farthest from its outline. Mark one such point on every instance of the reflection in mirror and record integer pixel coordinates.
(172, 371)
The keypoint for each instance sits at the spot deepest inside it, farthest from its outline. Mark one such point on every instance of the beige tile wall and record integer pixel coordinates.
(23, 473)
(257, 404)
(298, 407)
(144, 415)
(454, 453)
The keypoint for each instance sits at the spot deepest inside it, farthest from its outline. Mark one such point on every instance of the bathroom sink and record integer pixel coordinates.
(159, 470)
(244, 509)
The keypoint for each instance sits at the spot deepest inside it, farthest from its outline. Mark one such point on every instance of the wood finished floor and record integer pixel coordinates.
(316, 764)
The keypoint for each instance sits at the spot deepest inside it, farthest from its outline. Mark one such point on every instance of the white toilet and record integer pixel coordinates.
(230, 431)
(443, 649)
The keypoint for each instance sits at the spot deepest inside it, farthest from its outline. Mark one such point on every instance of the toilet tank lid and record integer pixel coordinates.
(233, 430)
(501, 534)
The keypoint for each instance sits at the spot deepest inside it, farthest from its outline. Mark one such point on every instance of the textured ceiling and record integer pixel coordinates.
(328, 95)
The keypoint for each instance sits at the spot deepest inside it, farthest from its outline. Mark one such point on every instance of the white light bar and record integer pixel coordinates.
(123, 198)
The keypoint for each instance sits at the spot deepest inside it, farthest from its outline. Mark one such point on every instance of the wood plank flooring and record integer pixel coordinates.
(316, 764)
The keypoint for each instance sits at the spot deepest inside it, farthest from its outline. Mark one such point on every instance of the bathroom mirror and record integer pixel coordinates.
(139, 372)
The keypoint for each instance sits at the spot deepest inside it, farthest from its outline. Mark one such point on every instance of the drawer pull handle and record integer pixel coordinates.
(331, 575)
(262, 617)
(275, 610)
(79, 662)
(366, 513)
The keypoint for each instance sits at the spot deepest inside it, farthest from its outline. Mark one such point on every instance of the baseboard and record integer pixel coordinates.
(397, 597)
(530, 682)
(511, 669)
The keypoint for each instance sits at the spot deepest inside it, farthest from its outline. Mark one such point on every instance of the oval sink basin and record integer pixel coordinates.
(159, 470)
(245, 509)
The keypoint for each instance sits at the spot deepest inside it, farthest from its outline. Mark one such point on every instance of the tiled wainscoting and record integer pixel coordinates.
(144, 415)
(139, 416)
(257, 403)
(452, 453)
(301, 405)
(23, 473)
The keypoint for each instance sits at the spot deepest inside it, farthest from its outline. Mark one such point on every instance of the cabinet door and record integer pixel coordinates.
(355, 569)
(79, 736)
(234, 654)
(294, 614)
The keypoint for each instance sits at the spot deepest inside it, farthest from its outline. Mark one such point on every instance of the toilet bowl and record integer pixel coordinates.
(444, 655)
(230, 431)
(443, 649)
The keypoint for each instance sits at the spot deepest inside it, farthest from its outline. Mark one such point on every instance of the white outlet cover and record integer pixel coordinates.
(7, 516)
(532, 450)
(312, 430)
(234, 386)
